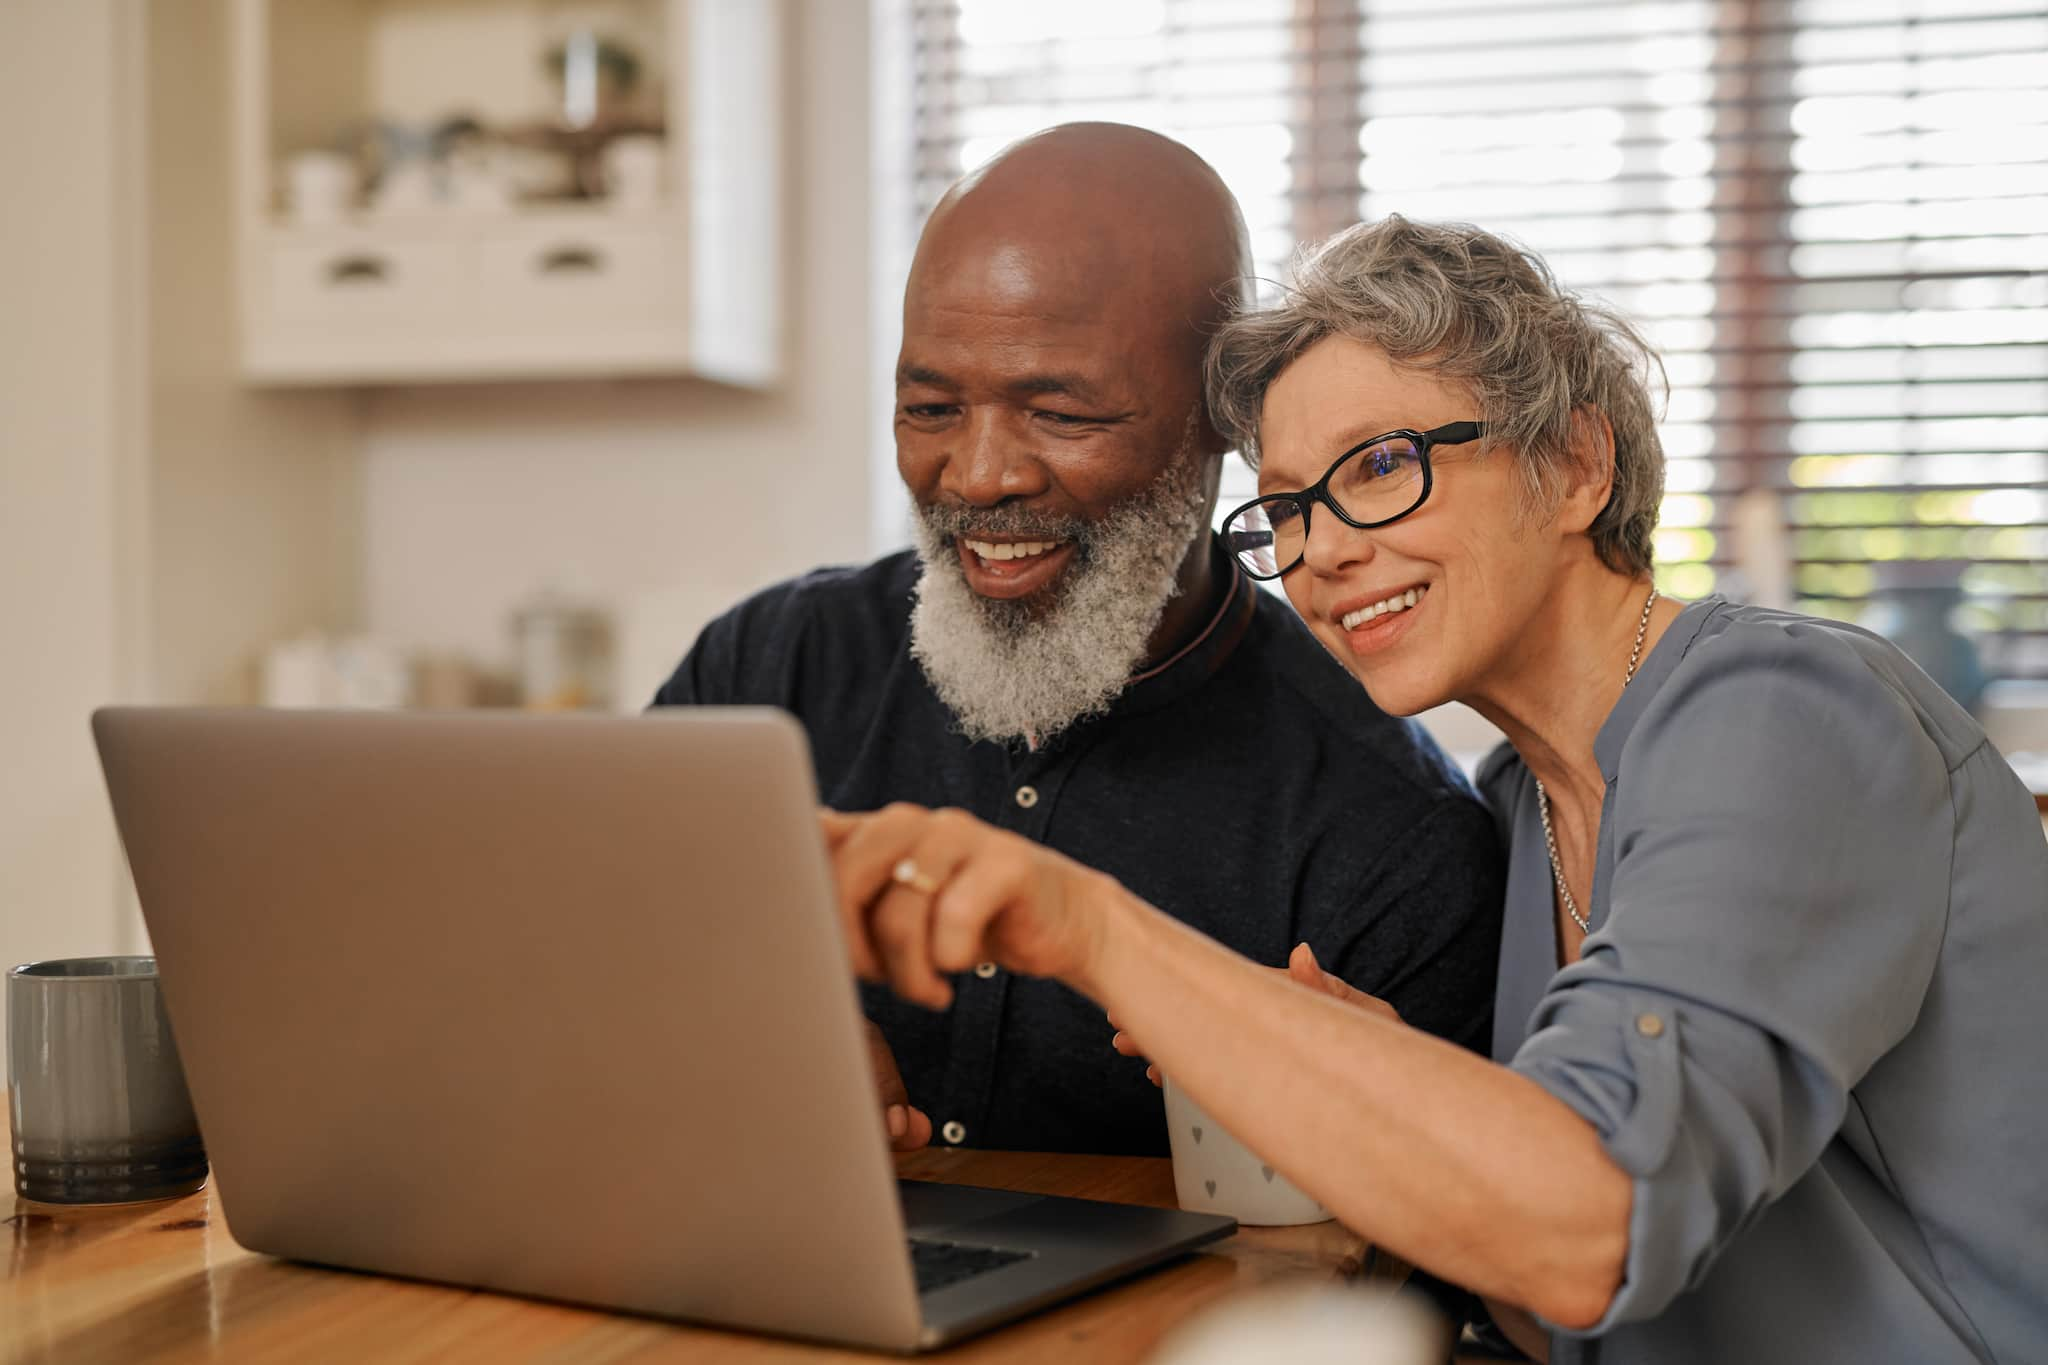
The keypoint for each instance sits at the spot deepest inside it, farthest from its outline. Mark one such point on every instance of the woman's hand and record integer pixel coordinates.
(1303, 969)
(923, 893)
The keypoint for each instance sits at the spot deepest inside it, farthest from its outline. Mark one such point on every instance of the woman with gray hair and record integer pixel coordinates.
(1766, 1075)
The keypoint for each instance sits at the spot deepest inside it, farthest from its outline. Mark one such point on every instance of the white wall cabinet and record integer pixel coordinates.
(686, 283)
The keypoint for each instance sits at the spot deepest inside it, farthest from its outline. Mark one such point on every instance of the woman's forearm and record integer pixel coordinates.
(1454, 1163)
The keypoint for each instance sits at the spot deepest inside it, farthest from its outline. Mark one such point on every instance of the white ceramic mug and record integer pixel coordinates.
(1322, 1325)
(1215, 1173)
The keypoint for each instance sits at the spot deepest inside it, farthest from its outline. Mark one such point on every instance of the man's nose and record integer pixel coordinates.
(991, 463)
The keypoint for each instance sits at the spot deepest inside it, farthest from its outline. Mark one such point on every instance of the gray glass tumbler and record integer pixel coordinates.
(100, 1110)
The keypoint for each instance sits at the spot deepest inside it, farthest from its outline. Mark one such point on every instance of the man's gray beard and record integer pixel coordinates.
(1010, 670)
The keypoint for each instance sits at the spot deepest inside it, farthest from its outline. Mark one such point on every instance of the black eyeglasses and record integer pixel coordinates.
(1373, 483)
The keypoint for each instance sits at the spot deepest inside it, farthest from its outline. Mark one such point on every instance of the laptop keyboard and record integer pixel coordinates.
(939, 1264)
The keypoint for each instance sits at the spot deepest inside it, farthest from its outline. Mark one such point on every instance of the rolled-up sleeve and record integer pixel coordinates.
(1782, 834)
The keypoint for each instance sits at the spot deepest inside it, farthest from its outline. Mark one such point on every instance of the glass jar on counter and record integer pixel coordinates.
(564, 653)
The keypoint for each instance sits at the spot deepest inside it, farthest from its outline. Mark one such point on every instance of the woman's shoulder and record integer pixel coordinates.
(1501, 771)
(1502, 778)
(1760, 671)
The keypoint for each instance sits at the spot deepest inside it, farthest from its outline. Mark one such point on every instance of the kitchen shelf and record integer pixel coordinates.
(689, 283)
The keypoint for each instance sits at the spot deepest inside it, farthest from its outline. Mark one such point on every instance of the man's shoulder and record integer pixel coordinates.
(863, 597)
(1306, 682)
(869, 602)
(820, 631)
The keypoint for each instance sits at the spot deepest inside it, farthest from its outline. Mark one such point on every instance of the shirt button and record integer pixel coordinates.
(1027, 797)
(984, 970)
(954, 1132)
(1649, 1025)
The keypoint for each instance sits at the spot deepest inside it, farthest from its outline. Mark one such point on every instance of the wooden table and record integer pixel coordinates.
(165, 1282)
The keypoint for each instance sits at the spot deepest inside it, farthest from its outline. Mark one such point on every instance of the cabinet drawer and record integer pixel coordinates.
(415, 283)
(593, 274)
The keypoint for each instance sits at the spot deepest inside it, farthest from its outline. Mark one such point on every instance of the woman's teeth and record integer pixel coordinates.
(1020, 549)
(1400, 601)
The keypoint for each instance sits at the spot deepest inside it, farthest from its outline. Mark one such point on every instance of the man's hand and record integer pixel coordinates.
(909, 1128)
(1302, 969)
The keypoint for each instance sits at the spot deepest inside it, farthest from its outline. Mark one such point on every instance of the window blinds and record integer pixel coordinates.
(1831, 216)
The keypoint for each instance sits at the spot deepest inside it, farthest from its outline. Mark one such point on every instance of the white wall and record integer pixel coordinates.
(158, 523)
(255, 498)
(66, 333)
(664, 499)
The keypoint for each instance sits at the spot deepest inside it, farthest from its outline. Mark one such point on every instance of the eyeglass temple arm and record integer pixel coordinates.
(1456, 433)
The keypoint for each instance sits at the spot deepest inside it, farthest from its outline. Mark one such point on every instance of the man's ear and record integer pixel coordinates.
(1590, 479)
(1209, 438)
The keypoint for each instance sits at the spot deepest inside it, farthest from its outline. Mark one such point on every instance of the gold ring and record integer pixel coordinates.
(908, 873)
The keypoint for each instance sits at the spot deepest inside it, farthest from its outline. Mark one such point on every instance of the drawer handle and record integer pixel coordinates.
(571, 260)
(358, 270)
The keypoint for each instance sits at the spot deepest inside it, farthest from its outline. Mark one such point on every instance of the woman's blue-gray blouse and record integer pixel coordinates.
(1811, 1018)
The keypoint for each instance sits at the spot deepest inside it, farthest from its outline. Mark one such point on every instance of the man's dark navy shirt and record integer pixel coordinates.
(1247, 786)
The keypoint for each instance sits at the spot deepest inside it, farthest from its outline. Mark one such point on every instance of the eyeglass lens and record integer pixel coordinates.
(1378, 482)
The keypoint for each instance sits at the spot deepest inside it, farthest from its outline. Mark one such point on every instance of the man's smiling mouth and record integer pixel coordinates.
(1012, 569)
(1018, 549)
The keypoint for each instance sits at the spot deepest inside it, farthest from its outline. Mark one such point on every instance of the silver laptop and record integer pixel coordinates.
(559, 1007)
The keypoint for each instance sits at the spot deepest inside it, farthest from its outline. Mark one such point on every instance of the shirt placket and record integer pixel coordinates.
(1024, 806)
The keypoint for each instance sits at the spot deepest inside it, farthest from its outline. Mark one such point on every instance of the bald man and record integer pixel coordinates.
(1068, 654)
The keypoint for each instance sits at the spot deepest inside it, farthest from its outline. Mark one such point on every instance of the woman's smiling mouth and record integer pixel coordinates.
(1400, 601)
(1373, 626)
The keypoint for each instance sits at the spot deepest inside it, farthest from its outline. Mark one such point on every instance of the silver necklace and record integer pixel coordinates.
(1564, 893)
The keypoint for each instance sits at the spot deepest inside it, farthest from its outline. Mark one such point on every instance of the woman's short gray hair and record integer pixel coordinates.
(1451, 300)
